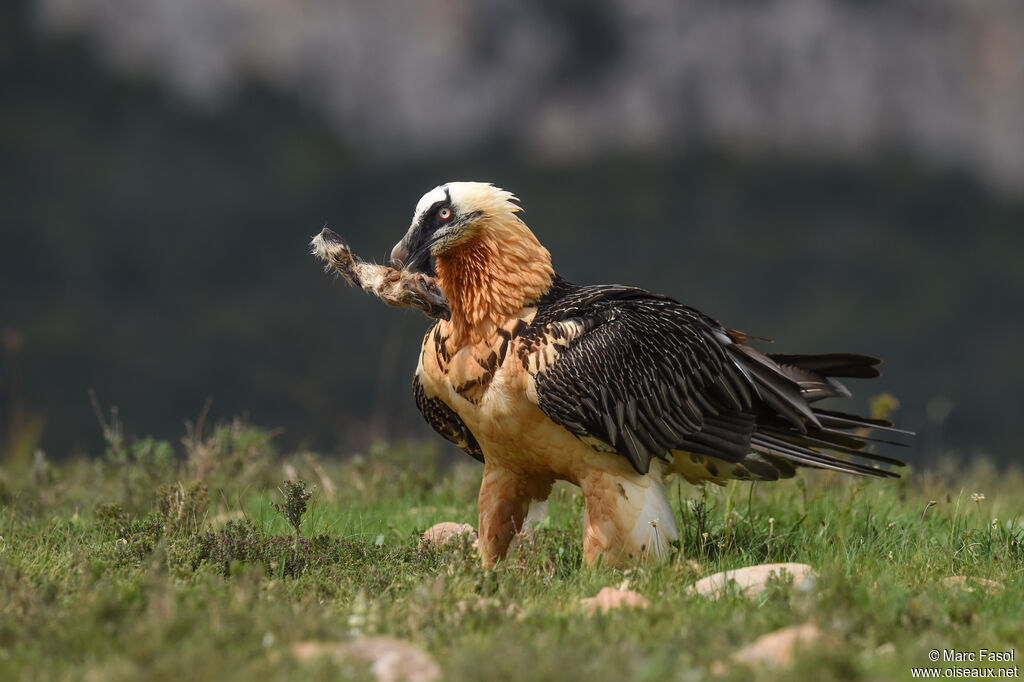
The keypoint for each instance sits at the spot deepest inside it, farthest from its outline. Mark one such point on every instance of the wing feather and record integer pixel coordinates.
(648, 376)
(444, 420)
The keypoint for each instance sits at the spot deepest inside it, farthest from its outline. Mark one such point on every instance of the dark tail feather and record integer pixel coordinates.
(798, 453)
(789, 429)
(781, 392)
(841, 433)
(843, 420)
(824, 441)
(794, 431)
(850, 365)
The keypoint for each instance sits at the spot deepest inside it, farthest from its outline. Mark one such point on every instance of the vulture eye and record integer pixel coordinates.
(445, 213)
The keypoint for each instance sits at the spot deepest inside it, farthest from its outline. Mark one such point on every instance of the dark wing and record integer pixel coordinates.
(643, 375)
(444, 420)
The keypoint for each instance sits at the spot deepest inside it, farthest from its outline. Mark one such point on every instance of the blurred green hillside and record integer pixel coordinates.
(158, 255)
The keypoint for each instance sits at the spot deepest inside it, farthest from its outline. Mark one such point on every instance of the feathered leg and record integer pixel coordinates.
(503, 503)
(627, 516)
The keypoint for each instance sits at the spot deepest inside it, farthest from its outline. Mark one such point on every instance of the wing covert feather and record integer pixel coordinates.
(642, 377)
(444, 420)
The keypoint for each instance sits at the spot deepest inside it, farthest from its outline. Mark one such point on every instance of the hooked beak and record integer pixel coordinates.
(399, 255)
(413, 253)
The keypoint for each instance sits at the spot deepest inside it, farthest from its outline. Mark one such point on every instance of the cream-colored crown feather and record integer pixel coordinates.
(470, 196)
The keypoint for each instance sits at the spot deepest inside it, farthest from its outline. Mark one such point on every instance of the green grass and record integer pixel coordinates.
(150, 564)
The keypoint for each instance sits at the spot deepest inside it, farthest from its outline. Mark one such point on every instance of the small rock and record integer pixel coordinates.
(390, 660)
(718, 669)
(752, 580)
(968, 583)
(304, 651)
(886, 649)
(441, 534)
(611, 598)
(777, 649)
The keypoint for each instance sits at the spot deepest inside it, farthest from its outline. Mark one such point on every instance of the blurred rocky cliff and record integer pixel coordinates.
(575, 79)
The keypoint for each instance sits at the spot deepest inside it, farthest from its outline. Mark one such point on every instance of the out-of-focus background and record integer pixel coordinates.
(836, 175)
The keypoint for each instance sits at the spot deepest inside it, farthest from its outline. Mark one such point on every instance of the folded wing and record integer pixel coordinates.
(645, 376)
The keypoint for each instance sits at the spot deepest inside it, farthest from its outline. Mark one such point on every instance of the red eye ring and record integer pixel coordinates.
(444, 213)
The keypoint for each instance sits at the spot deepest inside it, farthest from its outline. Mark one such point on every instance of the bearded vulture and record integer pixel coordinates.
(608, 387)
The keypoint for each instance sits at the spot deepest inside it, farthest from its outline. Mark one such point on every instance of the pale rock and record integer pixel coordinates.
(305, 651)
(886, 649)
(778, 649)
(390, 660)
(612, 598)
(441, 534)
(968, 583)
(752, 580)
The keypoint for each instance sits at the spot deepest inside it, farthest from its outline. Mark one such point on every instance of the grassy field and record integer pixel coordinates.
(163, 562)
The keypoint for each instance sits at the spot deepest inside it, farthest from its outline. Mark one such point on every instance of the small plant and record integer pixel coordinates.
(112, 520)
(182, 509)
(242, 542)
(296, 496)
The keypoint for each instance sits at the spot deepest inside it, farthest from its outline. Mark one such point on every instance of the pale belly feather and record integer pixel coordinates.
(511, 430)
(627, 514)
